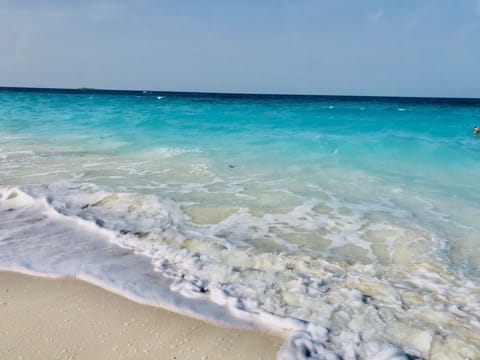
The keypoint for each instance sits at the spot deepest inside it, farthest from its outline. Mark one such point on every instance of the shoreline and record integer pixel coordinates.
(68, 318)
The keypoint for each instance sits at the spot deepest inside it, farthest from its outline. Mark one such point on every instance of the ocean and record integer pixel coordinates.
(348, 225)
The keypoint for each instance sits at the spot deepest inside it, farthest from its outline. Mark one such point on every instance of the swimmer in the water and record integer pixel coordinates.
(476, 130)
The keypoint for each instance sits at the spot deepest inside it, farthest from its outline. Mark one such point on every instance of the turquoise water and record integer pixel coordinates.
(350, 225)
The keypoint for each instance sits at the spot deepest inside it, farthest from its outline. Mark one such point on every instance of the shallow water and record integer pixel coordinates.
(349, 223)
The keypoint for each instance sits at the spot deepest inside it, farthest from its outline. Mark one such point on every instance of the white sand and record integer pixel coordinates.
(70, 319)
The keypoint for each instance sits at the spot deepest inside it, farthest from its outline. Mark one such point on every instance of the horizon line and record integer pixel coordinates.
(227, 93)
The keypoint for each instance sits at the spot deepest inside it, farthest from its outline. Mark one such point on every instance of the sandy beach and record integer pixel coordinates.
(70, 319)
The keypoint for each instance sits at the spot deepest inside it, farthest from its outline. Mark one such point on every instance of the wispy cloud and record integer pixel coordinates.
(376, 16)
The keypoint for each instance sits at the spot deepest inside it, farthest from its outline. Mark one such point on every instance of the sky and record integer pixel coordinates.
(336, 47)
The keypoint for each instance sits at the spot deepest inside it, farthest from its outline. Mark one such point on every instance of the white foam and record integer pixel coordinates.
(227, 271)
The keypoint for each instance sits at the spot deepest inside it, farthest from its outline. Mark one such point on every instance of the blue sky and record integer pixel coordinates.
(367, 47)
